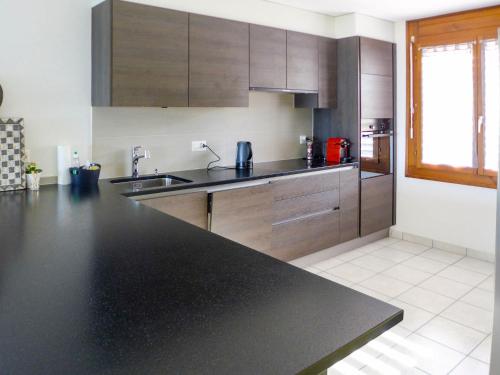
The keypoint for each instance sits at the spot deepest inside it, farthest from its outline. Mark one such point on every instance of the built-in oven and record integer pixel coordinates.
(377, 147)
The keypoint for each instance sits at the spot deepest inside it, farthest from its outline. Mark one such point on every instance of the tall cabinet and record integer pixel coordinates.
(365, 92)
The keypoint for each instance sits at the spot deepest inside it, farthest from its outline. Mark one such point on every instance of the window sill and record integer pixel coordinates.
(489, 182)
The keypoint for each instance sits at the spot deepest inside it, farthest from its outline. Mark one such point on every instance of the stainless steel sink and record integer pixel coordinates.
(149, 182)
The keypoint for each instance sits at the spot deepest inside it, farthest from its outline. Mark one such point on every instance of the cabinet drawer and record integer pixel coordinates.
(301, 237)
(293, 208)
(296, 187)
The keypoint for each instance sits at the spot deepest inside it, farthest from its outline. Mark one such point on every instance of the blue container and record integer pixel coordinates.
(83, 177)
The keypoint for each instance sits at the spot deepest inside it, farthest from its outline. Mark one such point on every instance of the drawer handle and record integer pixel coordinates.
(324, 212)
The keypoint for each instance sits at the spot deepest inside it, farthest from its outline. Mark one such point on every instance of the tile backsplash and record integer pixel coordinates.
(270, 122)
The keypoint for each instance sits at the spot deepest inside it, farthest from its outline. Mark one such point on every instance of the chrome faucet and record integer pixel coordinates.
(136, 156)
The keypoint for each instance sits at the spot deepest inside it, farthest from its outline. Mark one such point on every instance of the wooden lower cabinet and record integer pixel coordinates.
(295, 208)
(376, 204)
(304, 185)
(349, 205)
(288, 218)
(244, 215)
(301, 237)
(191, 207)
(314, 212)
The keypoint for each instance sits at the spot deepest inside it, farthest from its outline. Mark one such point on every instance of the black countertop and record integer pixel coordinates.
(92, 282)
(224, 175)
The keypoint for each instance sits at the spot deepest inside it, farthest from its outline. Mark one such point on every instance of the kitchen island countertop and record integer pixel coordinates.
(92, 282)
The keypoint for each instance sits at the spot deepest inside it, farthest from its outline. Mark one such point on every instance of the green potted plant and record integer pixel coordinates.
(33, 176)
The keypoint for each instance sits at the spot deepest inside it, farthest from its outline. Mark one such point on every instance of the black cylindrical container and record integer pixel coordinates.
(244, 155)
(84, 177)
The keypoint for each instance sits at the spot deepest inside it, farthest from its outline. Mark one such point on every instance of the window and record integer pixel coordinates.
(453, 102)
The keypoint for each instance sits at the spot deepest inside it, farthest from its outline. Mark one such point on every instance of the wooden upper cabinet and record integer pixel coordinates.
(218, 62)
(267, 57)
(327, 53)
(302, 62)
(377, 99)
(139, 55)
(327, 78)
(376, 96)
(376, 57)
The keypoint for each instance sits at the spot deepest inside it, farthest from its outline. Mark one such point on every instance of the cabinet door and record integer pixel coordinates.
(376, 96)
(218, 62)
(376, 204)
(327, 94)
(244, 215)
(192, 208)
(302, 61)
(149, 56)
(376, 57)
(349, 205)
(267, 57)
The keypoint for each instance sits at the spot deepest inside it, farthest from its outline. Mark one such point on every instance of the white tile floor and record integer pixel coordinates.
(448, 303)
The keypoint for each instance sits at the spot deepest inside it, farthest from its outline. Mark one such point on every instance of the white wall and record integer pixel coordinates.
(45, 74)
(456, 214)
(253, 11)
(362, 25)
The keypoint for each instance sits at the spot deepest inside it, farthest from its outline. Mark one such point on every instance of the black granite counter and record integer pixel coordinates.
(92, 282)
(224, 175)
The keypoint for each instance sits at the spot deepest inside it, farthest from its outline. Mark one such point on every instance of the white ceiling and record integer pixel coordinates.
(394, 10)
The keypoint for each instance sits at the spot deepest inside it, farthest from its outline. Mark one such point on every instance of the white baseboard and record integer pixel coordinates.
(478, 254)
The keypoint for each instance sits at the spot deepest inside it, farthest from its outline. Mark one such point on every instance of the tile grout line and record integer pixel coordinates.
(463, 360)
(460, 324)
(396, 264)
(477, 346)
(432, 274)
(377, 272)
(431, 312)
(358, 283)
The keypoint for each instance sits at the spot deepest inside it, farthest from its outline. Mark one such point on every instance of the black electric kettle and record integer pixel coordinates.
(244, 155)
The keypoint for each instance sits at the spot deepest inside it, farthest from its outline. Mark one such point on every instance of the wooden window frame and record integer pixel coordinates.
(469, 26)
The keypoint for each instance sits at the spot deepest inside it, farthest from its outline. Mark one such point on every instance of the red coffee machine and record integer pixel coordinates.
(338, 150)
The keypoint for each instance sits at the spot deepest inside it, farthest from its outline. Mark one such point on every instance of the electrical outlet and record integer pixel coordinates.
(198, 146)
(303, 139)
